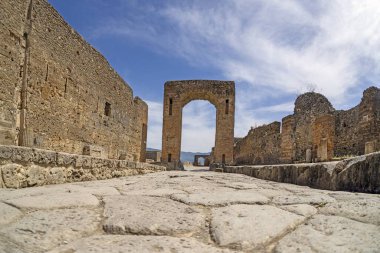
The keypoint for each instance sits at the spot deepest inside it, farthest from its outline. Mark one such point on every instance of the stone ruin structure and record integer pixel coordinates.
(153, 155)
(315, 132)
(219, 93)
(58, 93)
(206, 159)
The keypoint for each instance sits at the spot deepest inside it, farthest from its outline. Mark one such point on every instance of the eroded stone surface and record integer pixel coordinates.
(332, 234)
(146, 209)
(8, 213)
(250, 226)
(222, 198)
(142, 244)
(48, 201)
(301, 209)
(361, 210)
(154, 192)
(150, 216)
(43, 230)
(304, 198)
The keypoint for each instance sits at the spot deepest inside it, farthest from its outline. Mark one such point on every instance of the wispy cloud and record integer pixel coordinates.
(273, 49)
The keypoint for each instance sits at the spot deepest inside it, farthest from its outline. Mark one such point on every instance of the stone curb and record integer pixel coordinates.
(359, 174)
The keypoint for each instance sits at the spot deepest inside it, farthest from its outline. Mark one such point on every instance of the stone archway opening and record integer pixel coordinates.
(198, 129)
(219, 93)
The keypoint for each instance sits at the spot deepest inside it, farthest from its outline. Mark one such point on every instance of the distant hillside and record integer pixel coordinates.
(185, 156)
(189, 156)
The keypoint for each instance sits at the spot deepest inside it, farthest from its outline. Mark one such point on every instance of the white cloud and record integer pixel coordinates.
(274, 49)
(154, 124)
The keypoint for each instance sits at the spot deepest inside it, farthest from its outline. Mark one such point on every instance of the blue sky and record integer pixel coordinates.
(273, 50)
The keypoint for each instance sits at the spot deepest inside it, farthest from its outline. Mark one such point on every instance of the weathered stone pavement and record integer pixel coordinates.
(187, 212)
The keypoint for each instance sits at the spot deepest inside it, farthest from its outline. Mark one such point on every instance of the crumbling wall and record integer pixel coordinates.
(369, 121)
(61, 94)
(346, 132)
(287, 145)
(323, 130)
(260, 146)
(307, 108)
(316, 132)
(26, 167)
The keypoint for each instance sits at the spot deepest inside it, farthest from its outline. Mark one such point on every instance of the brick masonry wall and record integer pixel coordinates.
(59, 93)
(25, 167)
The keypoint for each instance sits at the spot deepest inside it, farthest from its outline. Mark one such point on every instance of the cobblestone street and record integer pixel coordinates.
(191, 211)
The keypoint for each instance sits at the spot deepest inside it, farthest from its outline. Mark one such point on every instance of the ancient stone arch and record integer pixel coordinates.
(206, 159)
(219, 93)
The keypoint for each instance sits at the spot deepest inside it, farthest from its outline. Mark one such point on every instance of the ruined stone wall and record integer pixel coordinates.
(323, 132)
(12, 50)
(307, 108)
(358, 130)
(154, 155)
(369, 121)
(60, 93)
(260, 146)
(287, 145)
(316, 132)
(26, 167)
(346, 132)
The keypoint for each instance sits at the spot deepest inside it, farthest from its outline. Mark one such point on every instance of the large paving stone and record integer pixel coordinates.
(250, 226)
(95, 190)
(42, 230)
(301, 209)
(8, 214)
(154, 192)
(221, 198)
(331, 234)
(7, 246)
(304, 198)
(361, 210)
(147, 215)
(60, 200)
(141, 244)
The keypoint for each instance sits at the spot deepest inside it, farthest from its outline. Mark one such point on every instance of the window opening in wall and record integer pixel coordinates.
(107, 109)
(170, 106)
(227, 105)
(169, 158)
(223, 158)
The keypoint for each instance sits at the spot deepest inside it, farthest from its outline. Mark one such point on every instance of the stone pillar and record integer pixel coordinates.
(308, 156)
(370, 147)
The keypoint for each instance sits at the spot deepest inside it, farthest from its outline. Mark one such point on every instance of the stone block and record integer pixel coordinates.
(36, 175)
(14, 175)
(44, 157)
(6, 152)
(22, 154)
(93, 150)
(57, 175)
(83, 161)
(64, 159)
